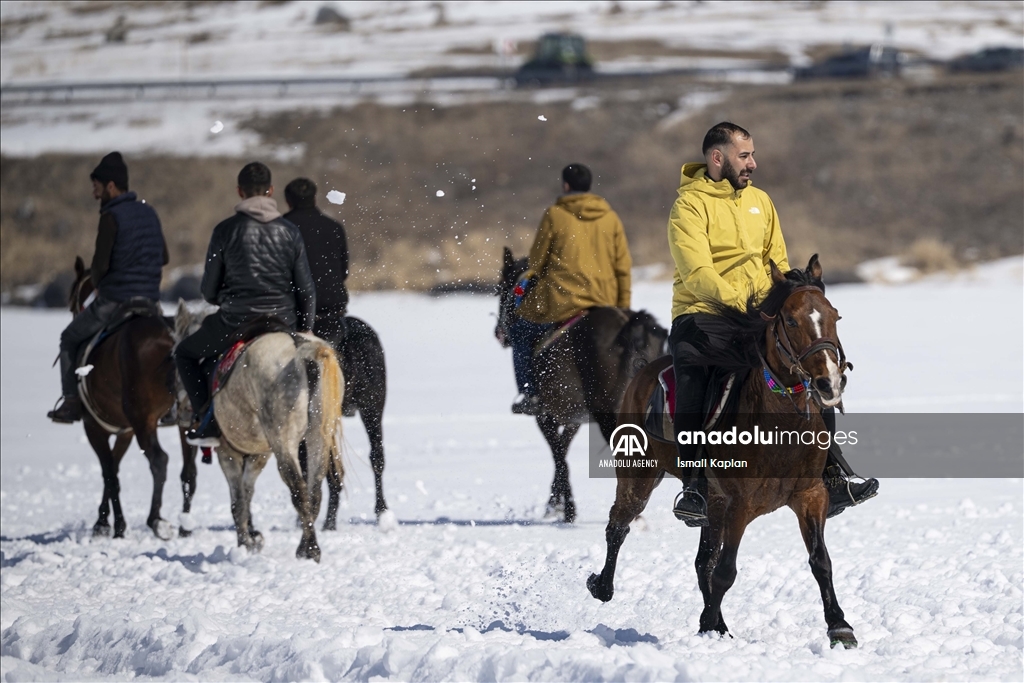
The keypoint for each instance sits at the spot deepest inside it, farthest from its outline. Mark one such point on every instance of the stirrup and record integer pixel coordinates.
(688, 517)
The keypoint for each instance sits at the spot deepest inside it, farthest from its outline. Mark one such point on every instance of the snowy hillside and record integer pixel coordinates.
(68, 42)
(473, 584)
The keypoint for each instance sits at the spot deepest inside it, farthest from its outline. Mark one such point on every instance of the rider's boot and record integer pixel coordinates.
(204, 431)
(691, 507)
(842, 491)
(69, 411)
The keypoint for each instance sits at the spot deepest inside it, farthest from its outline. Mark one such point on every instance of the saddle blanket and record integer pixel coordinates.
(661, 406)
(558, 332)
(226, 364)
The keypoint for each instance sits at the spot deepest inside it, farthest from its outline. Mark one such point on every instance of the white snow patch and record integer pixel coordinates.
(542, 117)
(335, 197)
(217, 127)
(439, 193)
(84, 370)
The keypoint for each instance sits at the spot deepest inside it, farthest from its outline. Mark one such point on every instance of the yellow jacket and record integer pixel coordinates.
(580, 258)
(721, 241)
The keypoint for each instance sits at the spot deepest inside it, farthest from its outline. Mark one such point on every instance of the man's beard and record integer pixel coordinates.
(733, 176)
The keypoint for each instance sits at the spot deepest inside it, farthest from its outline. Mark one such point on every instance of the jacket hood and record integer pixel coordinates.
(694, 178)
(262, 208)
(585, 206)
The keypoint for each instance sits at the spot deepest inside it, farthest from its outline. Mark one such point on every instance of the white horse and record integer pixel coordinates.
(284, 390)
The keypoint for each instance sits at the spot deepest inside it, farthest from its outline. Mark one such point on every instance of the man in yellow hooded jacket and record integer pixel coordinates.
(579, 259)
(722, 233)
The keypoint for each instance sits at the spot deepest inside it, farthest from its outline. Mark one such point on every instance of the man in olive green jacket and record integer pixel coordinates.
(722, 234)
(579, 259)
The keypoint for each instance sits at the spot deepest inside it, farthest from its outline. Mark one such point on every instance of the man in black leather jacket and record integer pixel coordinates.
(256, 266)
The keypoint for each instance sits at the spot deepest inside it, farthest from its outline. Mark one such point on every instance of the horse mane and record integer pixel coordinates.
(736, 337)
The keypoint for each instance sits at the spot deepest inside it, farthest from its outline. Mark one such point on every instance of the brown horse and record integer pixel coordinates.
(792, 335)
(582, 375)
(130, 386)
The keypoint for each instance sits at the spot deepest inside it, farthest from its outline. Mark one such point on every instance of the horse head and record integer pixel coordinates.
(802, 336)
(510, 271)
(83, 291)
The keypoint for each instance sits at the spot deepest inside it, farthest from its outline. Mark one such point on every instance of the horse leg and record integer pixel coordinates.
(722, 576)
(158, 459)
(811, 507)
(99, 439)
(232, 463)
(333, 498)
(291, 473)
(188, 483)
(372, 419)
(631, 496)
(561, 489)
(707, 557)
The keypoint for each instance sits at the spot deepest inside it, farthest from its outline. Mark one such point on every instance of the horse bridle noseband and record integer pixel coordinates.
(795, 359)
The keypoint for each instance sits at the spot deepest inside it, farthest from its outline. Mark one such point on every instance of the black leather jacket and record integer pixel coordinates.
(255, 268)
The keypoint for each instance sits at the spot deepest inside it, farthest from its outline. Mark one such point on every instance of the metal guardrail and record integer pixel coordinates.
(86, 91)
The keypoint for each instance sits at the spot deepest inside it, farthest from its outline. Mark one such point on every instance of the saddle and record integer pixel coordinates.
(241, 339)
(558, 332)
(720, 400)
(136, 307)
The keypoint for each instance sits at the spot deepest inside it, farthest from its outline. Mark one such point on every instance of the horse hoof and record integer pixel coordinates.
(101, 530)
(162, 529)
(330, 525)
(308, 553)
(599, 591)
(257, 541)
(570, 513)
(184, 533)
(387, 522)
(842, 636)
(119, 531)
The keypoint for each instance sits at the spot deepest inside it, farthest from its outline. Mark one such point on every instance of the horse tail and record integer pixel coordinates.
(327, 390)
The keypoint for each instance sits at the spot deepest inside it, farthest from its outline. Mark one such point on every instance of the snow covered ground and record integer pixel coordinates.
(473, 585)
(65, 42)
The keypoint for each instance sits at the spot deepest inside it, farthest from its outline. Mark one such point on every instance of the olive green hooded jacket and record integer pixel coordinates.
(580, 258)
(721, 240)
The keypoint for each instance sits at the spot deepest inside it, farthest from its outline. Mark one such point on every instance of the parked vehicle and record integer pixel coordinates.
(990, 59)
(559, 58)
(865, 62)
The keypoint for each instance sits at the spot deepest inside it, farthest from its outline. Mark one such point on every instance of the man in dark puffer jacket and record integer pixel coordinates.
(256, 266)
(327, 249)
(130, 255)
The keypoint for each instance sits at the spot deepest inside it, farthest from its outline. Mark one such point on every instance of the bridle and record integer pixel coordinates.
(794, 358)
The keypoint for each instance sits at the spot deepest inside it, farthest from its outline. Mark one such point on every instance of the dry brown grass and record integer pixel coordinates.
(856, 170)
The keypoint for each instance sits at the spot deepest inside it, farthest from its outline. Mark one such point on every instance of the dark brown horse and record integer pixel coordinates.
(792, 334)
(582, 375)
(130, 386)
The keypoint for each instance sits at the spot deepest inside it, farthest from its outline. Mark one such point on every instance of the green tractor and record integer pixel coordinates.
(559, 58)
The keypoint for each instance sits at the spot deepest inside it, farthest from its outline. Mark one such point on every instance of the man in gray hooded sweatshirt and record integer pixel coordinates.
(256, 266)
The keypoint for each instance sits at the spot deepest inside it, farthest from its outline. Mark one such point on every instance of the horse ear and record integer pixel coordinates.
(79, 267)
(814, 268)
(777, 275)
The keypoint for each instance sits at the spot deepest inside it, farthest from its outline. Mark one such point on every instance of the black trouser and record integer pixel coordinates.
(213, 338)
(691, 381)
(83, 328)
(330, 324)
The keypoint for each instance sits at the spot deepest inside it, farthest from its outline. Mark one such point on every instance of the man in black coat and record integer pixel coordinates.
(328, 258)
(127, 263)
(256, 266)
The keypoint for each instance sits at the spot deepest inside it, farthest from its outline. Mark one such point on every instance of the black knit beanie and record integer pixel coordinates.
(112, 168)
